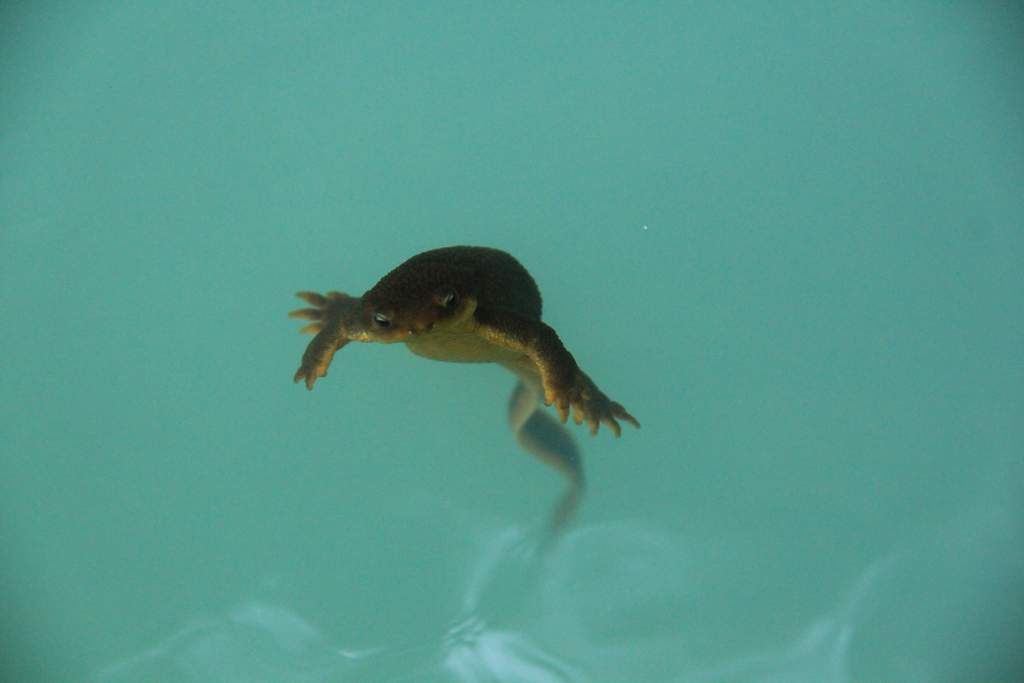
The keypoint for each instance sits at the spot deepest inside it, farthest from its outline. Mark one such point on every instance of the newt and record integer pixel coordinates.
(471, 305)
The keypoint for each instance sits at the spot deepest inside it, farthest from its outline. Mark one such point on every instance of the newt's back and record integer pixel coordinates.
(493, 277)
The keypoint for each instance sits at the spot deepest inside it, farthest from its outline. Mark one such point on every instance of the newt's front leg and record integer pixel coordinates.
(589, 403)
(565, 385)
(336, 321)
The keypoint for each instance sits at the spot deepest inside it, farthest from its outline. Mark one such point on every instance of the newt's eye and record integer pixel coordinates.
(381, 320)
(449, 299)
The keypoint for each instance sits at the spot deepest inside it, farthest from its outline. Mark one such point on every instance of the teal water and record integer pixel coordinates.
(787, 236)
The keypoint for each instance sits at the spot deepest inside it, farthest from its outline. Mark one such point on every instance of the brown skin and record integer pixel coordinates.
(473, 305)
(460, 304)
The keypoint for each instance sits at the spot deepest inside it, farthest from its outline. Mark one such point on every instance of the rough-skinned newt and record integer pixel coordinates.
(471, 305)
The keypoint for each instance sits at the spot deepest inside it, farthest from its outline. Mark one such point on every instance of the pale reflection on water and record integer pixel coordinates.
(611, 602)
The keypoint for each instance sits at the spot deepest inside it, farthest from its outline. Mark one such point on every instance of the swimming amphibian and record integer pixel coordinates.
(470, 305)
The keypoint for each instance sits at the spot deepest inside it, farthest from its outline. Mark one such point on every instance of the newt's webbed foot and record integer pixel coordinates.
(335, 323)
(588, 403)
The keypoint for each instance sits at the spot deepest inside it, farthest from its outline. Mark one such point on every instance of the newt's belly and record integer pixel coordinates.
(459, 347)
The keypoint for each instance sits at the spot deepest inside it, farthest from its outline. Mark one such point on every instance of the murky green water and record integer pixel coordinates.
(787, 236)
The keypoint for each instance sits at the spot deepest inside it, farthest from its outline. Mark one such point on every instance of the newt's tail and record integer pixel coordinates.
(541, 435)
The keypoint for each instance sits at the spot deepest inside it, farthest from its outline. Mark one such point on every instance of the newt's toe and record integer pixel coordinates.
(307, 313)
(312, 298)
(621, 413)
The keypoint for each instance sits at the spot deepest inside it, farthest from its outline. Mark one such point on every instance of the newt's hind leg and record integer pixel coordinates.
(540, 434)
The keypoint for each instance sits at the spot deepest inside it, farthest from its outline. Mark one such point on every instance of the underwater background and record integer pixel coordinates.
(787, 236)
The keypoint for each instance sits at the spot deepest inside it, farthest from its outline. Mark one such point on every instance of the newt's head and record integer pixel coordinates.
(394, 320)
(409, 302)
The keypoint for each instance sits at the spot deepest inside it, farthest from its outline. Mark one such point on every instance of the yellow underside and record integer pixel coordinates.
(460, 347)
